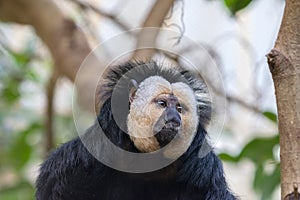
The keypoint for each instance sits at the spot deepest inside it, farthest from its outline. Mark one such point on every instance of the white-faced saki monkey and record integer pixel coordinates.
(147, 111)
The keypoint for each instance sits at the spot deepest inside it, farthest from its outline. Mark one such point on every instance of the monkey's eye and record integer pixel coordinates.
(179, 108)
(162, 103)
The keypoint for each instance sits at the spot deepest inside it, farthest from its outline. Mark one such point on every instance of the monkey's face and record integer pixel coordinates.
(162, 114)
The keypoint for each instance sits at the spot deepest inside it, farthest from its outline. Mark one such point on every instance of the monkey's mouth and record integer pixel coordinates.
(165, 128)
(166, 135)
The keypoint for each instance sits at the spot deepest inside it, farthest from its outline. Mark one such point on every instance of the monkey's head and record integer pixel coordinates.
(166, 106)
(161, 111)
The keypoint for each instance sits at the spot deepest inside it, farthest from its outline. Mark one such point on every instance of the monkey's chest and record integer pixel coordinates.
(131, 190)
(116, 188)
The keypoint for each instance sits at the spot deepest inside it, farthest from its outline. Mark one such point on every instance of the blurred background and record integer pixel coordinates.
(36, 92)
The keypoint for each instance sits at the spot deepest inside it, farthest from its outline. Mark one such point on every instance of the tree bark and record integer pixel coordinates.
(284, 63)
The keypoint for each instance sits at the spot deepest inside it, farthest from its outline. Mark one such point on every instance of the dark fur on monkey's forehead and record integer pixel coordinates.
(140, 71)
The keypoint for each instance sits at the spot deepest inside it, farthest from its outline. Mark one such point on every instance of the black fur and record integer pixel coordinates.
(72, 173)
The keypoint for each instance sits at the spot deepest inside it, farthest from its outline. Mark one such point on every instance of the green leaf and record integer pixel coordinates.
(227, 157)
(266, 183)
(20, 151)
(270, 183)
(10, 93)
(22, 58)
(31, 75)
(271, 116)
(235, 5)
(259, 177)
(259, 149)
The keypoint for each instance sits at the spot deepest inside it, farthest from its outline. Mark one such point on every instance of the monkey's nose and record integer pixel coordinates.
(172, 118)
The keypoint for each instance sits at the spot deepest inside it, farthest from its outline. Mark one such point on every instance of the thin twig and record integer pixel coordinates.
(180, 27)
(85, 5)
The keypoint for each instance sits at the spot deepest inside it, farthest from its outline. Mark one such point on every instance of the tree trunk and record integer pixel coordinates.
(284, 63)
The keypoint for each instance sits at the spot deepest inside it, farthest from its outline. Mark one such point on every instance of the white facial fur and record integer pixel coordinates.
(144, 113)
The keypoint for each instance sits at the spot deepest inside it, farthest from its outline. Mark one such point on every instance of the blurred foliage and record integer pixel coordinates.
(262, 152)
(22, 120)
(22, 128)
(16, 128)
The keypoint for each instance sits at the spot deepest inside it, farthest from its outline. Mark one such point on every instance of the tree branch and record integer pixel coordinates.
(147, 38)
(65, 41)
(100, 12)
(49, 113)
